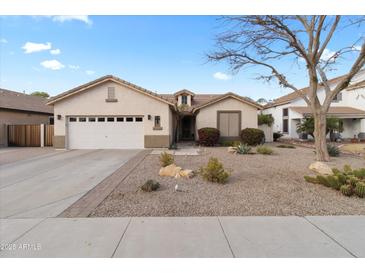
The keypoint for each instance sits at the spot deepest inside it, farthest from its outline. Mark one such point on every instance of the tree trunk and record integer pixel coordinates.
(320, 136)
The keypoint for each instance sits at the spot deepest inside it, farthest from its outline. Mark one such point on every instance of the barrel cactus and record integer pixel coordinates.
(347, 190)
(310, 179)
(352, 180)
(360, 189)
(323, 180)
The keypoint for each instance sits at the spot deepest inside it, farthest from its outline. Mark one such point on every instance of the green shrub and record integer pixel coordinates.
(286, 146)
(214, 171)
(242, 149)
(276, 136)
(265, 119)
(166, 159)
(150, 186)
(264, 150)
(208, 136)
(312, 180)
(333, 150)
(347, 190)
(252, 136)
(360, 189)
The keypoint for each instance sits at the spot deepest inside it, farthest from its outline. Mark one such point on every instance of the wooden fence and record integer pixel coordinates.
(30, 135)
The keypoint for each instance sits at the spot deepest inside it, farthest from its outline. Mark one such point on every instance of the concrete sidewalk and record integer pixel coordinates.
(332, 236)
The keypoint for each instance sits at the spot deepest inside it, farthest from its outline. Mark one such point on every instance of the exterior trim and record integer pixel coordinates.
(59, 141)
(156, 141)
(239, 122)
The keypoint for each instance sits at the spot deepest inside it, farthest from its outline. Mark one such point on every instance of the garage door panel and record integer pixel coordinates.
(104, 135)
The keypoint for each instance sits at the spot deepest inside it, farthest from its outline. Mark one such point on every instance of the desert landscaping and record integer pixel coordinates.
(258, 185)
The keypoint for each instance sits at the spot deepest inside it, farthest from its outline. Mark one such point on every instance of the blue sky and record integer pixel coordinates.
(160, 53)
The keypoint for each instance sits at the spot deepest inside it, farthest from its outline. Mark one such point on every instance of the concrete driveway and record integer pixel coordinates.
(46, 184)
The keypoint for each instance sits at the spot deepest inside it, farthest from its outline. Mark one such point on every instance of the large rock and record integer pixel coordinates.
(320, 168)
(170, 170)
(185, 173)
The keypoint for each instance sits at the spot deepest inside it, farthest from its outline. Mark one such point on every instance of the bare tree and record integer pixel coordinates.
(266, 40)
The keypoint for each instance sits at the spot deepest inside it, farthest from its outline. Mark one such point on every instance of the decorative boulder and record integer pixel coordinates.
(321, 168)
(186, 173)
(170, 170)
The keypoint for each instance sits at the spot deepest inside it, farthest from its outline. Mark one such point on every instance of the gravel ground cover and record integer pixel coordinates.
(259, 185)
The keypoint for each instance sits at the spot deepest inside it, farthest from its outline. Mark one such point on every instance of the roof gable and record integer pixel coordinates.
(102, 80)
(226, 96)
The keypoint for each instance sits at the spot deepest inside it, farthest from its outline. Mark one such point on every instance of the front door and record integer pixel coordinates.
(187, 128)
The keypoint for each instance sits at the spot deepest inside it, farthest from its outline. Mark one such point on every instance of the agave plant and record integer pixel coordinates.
(242, 149)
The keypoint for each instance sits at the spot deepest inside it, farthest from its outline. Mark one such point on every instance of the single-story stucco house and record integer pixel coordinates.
(21, 109)
(112, 113)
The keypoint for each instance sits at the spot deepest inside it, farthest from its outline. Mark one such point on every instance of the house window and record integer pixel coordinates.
(157, 121)
(120, 119)
(92, 119)
(285, 120)
(184, 100)
(72, 119)
(82, 119)
(139, 119)
(101, 119)
(129, 119)
(51, 120)
(110, 119)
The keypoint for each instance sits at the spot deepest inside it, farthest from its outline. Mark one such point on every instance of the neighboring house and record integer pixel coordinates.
(21, 109)
(349, 105)
(112, 113)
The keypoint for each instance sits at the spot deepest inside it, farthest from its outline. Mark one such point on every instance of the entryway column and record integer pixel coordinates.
(42, 135)
(362, 125)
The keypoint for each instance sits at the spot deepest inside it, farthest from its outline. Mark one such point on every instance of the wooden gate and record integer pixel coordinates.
(48, 135)
(24, 135)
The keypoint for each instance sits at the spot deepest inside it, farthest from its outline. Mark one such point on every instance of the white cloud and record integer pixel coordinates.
(3, 41)
(64, 18)
(90, 72)
(327, 54)
(221, 76)
(55, 51)
(73, 66)
(52, 64)
(30, 47)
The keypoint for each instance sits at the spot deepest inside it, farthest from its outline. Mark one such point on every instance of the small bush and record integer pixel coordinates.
(252, 136)
(166, 159)
(333, 150)
(214, 171)
(264, 150)
(346, 190)
(150, 186)
(286, 146)
(242, 149)
(265, 119)
(277, 135)
(208, 136)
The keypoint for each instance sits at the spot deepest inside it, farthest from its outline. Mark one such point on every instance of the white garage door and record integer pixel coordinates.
(102, 132)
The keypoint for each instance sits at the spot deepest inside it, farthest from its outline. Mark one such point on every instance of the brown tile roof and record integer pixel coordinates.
(20, 101)
(294, 95)
(332, 110)
(102, 80)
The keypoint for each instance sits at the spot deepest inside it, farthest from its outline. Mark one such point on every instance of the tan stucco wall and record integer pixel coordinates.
(207, 117)
(130, 102)
(8, 117)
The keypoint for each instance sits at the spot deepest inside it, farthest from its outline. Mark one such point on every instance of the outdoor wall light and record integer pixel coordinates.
(59, 116)
(149, 117)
